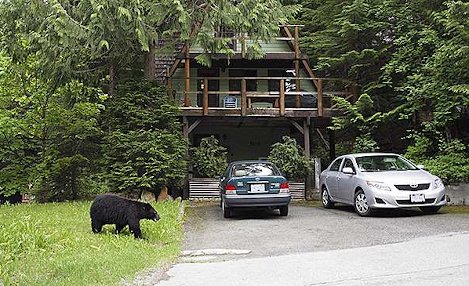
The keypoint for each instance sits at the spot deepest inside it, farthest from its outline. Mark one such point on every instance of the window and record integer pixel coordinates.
(335, 166)
(384, 163)
(274, 84)
(235, 84)
(348, 163)
(254, 169)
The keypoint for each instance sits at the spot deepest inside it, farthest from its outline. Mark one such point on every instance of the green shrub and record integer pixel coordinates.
(290, 158)
(209, 158)
(451, 163)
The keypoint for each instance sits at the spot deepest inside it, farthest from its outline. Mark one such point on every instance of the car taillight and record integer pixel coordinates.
(230, 189)
(284, 188)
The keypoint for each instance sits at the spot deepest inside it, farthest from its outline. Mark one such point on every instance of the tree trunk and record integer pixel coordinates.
(150, 67)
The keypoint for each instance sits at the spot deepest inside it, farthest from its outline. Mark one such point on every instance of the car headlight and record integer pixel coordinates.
(437, 183)
(379, 186)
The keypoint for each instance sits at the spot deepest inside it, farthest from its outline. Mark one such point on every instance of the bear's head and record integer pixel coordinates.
(148, 212)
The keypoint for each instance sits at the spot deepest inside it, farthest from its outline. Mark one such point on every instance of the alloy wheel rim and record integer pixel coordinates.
(325, 197)
(361, 203)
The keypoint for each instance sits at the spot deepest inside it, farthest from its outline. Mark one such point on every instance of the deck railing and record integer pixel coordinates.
(286, 97)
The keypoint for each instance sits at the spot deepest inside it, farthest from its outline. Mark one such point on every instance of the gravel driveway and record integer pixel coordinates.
(306, 229)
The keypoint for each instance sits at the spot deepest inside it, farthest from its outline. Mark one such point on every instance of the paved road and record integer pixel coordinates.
(309, 229)
(328, 247)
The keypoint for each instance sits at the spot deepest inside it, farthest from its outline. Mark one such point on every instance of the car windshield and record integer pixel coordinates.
(254, 169)
(384, 163)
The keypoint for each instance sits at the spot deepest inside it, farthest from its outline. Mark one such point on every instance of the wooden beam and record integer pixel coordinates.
(185, 127)
(332, 145)
(243, 97)
(320, 99)
(323, 139)
(193, 126)
(297, 66)
(205, 98)
(187, 73)
(310, 72)
(297, 84)
(282, 97)
(306, 138)
(298, 126)
(307, 144)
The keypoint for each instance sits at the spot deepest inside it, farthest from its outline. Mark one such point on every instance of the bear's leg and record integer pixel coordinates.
(134, 227)
(96, 226)
(119, 227)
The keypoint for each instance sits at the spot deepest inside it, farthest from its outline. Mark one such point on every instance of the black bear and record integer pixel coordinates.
(113, 209)
(15, 198)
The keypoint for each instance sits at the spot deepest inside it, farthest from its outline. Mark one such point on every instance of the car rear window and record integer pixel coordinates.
(254, 169)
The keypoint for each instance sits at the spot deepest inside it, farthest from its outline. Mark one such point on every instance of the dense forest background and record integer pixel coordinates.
(77, 115)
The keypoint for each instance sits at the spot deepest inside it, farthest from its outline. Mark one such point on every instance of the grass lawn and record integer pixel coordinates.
(52, 244)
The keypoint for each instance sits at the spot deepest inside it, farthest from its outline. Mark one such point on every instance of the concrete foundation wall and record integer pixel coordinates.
(459, 194)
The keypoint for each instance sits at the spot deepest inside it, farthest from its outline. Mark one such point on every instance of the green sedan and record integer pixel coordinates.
(253, 184)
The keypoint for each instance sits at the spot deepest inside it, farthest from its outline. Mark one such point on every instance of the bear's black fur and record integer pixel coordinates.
(16, 198)
(113, 209)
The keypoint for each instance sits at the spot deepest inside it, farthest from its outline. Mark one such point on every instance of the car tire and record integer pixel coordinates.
(326, 199)
(227, 212)
(430, 210)
(360, 204)
(283, 211)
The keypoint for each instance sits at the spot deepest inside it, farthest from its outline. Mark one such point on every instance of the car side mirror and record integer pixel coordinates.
(348, 170)
(421, 167)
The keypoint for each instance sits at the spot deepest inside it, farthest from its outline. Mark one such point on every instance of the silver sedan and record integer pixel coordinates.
(380, 180)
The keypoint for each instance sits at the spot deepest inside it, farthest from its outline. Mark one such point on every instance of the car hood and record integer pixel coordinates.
(400, 177)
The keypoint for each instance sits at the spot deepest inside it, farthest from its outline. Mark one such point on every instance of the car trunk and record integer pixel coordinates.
(257, 185)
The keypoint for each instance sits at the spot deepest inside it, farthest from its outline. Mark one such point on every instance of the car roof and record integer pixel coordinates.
(250, 161)
(357, 155)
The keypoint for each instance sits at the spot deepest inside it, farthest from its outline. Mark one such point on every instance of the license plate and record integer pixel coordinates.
(417, 198)
(257, 188)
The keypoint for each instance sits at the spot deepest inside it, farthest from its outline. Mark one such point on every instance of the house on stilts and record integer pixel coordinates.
(249, 104)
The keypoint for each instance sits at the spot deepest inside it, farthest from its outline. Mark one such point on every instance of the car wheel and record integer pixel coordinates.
(227, 213)
(326, 199)
(361, 204)
(283, 210)
(430, 210)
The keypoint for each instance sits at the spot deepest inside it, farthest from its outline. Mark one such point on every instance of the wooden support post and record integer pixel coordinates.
(169, 84)
(205, 97)
(307, 144)
(282, 97)
(243, 97)
(320, 99)
(187, 71)
(185, 133)
(331, 145)
(297, 67)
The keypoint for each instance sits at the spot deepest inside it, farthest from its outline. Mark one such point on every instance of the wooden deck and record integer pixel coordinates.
(257, 112)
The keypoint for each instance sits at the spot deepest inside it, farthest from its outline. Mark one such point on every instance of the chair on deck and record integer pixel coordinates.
(230, 102)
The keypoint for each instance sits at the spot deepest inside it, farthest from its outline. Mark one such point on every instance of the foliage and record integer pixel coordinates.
(450, 162)
(79, 37)
(290, 158)
(361, 120)
(409, 57)
(209, 158)
(52, 244)
(144, 148)
(49, 134)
